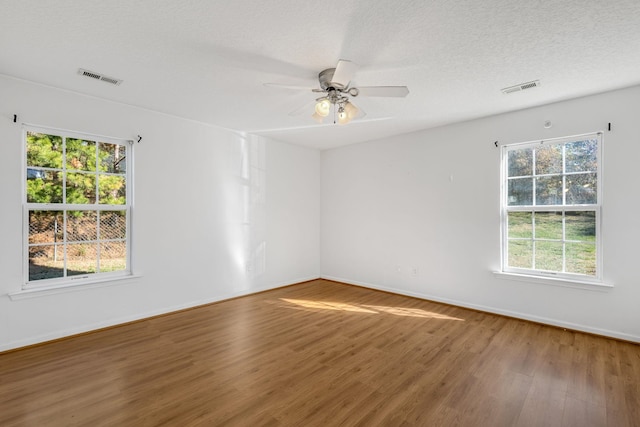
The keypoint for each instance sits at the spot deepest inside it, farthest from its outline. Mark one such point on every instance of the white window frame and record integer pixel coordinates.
(596, 207)
(89, 278)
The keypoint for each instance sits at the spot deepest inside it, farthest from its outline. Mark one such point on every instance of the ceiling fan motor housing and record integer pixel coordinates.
(325, 78)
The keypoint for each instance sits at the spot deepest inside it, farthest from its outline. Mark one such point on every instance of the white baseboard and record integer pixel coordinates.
(508, 313)
(140, 316)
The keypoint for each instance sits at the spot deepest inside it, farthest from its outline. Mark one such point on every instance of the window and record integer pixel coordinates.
(77, 208)
(551, 203)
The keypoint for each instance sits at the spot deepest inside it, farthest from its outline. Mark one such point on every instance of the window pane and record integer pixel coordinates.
(46, 262)
(81, 188)
(549, 159)
(580, 226)
(548, 256)
(548, 225)
(582, 189)
(520, 192)
(82, 226)
(113, 225)
(112, 190)
(544, 179)
(582, 156)
(81, 258)
(520, 225)
(44, 150)
(45, 226)
(581, 258)
(75, 171)
(81, 155)
(549, 190)
(520, 162)
(112, 158)
(44, 186)
(520, 253)
(113, 256)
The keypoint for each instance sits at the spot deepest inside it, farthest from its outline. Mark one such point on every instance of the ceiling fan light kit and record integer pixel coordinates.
(342, 107)
(335, 84)
(323, 107)
(346, 113)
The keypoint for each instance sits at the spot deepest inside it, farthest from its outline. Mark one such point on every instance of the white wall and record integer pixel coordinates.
(216, 215)
(245, 215)
(430, 200)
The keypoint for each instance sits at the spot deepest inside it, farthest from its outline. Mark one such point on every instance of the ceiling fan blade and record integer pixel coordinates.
(291, 87)
(344, 72)
(386, 91)
(308, 107)
(361, 113)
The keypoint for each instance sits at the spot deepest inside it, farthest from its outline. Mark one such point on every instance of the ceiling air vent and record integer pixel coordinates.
(521, 86)
(98, 76)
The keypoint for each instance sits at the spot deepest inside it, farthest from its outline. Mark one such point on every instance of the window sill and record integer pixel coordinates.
(554, 281)
(66, 287)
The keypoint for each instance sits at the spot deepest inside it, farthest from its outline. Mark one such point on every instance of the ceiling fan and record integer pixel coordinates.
(336, 90)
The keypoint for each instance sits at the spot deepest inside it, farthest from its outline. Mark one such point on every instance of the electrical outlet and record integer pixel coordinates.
(414, 271)
(398, 269)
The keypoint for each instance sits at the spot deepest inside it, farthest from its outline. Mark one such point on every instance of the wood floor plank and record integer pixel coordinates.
(578, 413)
(323, 353)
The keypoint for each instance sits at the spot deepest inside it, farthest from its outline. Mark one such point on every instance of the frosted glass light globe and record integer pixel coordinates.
(323, 107)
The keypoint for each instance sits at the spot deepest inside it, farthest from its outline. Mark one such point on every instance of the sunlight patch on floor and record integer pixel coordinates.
(327, 305)
(369, 309)
(412, 312)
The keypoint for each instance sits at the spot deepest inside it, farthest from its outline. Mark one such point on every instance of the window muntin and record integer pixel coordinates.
(551, 207)
(77, 207)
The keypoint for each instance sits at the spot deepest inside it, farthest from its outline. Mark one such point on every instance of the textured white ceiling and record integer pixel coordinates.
(207, 60)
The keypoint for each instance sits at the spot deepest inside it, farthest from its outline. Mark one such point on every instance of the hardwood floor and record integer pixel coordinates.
(324, 354)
